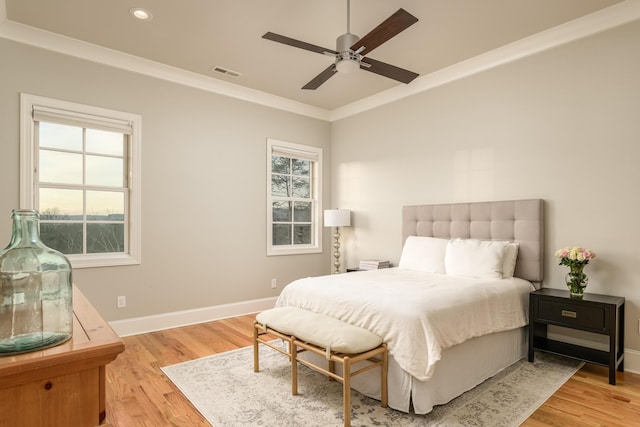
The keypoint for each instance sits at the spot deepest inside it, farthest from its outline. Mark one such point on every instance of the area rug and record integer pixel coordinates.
(227, 392)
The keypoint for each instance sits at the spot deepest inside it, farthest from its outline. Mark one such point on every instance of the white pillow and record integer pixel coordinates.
(475, 258)
(424, 254)
(510, 258)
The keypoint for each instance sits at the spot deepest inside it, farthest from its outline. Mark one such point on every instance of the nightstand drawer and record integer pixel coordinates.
(565, 313)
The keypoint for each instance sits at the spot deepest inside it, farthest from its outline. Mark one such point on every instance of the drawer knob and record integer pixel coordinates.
(48, 385)
(568, 313)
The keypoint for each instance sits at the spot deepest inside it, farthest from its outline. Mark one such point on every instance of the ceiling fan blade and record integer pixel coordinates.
(388, 70)
(296, 43)
(321, 78)
(392, 26)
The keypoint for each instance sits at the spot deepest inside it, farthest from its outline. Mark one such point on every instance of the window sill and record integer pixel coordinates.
(291, 251)
(102, 260)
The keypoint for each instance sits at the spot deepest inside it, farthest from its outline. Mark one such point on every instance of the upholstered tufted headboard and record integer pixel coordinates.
(520, 221)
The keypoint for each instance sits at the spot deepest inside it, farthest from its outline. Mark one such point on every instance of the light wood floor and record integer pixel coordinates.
(139, 395)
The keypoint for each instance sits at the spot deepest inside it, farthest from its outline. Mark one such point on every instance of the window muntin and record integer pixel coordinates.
(81, 171)
(294, 188)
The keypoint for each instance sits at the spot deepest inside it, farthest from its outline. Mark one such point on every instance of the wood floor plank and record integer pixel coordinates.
(139, 394)
(587, 399)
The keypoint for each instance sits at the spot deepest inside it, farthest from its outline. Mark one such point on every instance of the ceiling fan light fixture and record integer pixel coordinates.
(348, 66)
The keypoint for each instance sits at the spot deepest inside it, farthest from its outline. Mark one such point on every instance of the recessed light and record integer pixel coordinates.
(141, 14)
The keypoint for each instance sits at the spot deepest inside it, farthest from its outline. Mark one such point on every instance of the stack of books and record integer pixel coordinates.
(373, 264)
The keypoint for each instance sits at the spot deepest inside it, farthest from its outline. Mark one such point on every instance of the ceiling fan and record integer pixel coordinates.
(350, 49)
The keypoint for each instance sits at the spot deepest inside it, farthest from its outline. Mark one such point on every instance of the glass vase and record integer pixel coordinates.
(36, 308)
(576, 281)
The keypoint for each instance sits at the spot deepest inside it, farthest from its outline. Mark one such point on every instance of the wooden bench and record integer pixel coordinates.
(338, 341)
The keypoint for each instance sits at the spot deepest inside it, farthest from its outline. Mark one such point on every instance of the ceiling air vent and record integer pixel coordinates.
(226, 71)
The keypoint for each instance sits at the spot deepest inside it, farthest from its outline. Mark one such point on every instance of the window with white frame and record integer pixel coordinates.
(80, 168)
(293, 198)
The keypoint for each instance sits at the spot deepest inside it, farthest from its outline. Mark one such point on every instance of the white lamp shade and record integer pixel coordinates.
(337, 218)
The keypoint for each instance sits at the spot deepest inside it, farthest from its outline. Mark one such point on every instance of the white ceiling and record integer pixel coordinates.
(196, 35)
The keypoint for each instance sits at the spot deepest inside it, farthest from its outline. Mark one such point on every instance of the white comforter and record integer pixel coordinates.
(417, 314)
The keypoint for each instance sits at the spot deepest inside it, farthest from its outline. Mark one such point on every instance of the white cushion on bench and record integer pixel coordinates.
(318, 329)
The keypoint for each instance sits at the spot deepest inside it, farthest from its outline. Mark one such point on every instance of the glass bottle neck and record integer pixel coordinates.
(25, 230)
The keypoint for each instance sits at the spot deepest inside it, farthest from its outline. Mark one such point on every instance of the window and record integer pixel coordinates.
(80, 168)
(293, 202)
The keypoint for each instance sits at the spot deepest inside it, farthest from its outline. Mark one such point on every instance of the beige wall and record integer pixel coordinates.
(203, 184)
(563, 125)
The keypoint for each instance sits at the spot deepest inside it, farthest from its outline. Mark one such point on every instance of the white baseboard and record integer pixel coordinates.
(632, 361)
(140, 325)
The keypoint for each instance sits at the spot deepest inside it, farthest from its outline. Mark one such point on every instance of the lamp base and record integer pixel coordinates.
(336, 251)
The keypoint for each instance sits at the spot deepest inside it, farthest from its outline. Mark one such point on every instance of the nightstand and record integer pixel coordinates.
(600, 314)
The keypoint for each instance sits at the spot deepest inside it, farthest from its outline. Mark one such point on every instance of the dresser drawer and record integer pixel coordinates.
(573, 315)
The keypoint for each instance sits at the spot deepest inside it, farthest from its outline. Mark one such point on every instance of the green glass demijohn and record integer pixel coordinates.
(36, 308)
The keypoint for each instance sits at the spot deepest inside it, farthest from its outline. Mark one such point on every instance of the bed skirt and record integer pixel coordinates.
(461, 368)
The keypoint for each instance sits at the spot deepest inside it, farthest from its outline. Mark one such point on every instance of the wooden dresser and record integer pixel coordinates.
(62, 385)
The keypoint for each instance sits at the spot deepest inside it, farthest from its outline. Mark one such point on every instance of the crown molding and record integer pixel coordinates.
(69, 46)
(610, 17)
(613, 16)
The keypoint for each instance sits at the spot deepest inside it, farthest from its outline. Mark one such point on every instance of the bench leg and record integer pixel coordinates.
(332, 369)
(346, 391)
(256, 362)
(293, 349)
(383, 378)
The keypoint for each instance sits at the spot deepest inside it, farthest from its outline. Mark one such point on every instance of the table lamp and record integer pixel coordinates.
(337, 218)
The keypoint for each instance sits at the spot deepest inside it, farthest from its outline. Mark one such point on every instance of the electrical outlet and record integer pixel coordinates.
(121, 302)
(274, 283)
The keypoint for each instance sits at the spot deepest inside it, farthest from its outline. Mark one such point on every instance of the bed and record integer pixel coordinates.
(454, 311)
